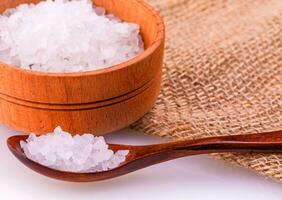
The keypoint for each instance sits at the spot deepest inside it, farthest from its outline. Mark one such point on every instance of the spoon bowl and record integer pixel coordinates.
(15, 148)
(143, 156)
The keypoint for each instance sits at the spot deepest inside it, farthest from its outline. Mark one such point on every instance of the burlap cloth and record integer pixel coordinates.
(222, 74)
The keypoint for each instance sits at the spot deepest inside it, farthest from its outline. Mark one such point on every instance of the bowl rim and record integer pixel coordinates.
(147, 52)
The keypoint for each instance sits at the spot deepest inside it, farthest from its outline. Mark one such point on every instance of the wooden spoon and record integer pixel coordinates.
(143, 156)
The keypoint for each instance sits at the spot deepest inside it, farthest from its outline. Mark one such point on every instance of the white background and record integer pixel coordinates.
(199, 177)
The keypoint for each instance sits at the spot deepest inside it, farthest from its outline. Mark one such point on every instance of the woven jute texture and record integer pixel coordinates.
(222, 74)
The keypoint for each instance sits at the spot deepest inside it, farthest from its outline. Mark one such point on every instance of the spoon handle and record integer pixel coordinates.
(270, 142)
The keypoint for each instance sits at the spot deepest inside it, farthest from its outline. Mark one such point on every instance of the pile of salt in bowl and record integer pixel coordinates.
(80, 153)
(66, 36)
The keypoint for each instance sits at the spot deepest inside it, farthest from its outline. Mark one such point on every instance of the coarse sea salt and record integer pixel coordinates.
(66, 36)
(62, 151)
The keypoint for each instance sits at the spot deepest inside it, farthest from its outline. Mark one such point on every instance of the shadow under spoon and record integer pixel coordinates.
(143, 156)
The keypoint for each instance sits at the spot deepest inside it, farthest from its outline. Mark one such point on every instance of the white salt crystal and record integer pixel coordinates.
(66, 36)
(81, 153)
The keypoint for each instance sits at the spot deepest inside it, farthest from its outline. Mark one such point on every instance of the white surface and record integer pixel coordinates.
(198, 177)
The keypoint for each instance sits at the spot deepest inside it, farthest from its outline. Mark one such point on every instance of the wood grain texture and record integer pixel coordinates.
(143, 156)
(98, 101)
(88, 118)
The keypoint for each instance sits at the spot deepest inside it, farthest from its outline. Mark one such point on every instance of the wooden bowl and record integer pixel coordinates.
(95, 102)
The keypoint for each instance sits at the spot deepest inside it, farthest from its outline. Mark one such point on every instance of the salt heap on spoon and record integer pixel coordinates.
(61, 151)
(66, 36)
